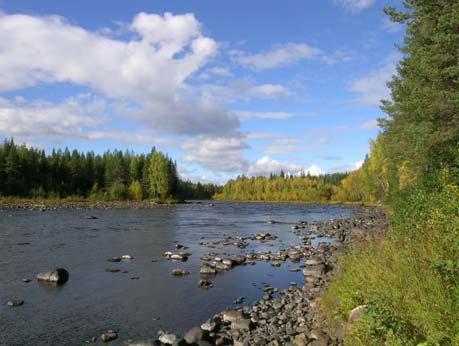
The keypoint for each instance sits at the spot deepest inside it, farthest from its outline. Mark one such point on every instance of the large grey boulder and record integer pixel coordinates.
(56, 276)
(194, 335)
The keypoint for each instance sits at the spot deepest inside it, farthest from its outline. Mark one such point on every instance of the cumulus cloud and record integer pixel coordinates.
(372, 88)
(278, 56)
(149, 70)
(355, 5)
(267, 165)
(69, 119)
(219, 154)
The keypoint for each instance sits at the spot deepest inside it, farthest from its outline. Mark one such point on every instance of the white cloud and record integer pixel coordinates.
(149, 70)
(216, 71)
(245, 115)
(69, 119)
(268, 90)
(219, 154)
(390, 26)
(346, 167)
(369, 124)
(277, 56)
(314, 170)
(372, 88)
(267, 165)
(355, 5)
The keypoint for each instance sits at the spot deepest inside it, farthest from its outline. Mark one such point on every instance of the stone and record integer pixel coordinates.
(57, 276)
(231, 315)
(169, 339)
(194, 335)
(109, 335)
(112, 270)
(114, 259)
(355, 315)
(26, 280)
(127, 257)
(206, 269)
(209, 325)
(301, 340)
(179, 272)
(178, 258)
(205, 284)
(15, 303)
(241, 324)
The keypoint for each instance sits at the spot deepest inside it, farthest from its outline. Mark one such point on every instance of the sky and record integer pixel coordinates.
(223, 87)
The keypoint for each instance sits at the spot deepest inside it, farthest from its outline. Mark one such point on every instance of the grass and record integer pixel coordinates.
(409, 280)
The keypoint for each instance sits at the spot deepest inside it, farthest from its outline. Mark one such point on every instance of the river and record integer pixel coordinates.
(147, 298)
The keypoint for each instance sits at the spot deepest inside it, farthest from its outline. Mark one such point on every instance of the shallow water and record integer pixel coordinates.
(93, 300)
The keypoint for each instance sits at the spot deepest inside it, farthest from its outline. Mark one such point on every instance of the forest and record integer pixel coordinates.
(284, 188)
(115, 175)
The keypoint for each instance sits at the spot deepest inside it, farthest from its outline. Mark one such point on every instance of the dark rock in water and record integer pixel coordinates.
(194, 335)
(239, 300)
(205, 284)
(179, 272)
(127, 257)
(112, 270)
(57, 276)
(90, 217)
(135, 278)
(14, 303)
(23, 243)
(109, 335)
(114, 259)
(205, 269)
(26, 280)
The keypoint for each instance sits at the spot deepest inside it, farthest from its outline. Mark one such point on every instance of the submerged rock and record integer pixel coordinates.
(109, 335)
(57, 276)
(179, 272)
(205, 284)
(14, 303)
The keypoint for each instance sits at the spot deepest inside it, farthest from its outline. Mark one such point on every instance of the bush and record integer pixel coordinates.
(135, 191)
(409, 280)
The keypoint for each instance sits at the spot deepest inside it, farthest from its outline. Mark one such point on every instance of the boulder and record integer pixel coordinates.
(109, 335)
(206, 269)
(209, 326)
(179, 272)
(169, 339)
(57, 276)
(194, 335)
(232, 315)
(14, 303)
(241, 324)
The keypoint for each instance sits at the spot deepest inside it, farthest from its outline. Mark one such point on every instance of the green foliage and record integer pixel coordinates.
(284, 188)
(410, 279)
(135, 190)
(29, 173)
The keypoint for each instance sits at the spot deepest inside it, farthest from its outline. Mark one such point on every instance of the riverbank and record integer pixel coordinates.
(291, 316)
(10, 204)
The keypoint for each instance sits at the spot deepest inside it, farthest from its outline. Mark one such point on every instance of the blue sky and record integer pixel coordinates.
(224, 87)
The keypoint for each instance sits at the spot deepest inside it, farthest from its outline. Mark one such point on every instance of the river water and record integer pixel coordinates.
(94, 300)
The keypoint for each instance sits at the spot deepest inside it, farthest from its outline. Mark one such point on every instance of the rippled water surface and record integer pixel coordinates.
(94, 300)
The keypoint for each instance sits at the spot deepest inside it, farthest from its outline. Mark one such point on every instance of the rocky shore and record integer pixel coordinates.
(52, 205)
(281, 317)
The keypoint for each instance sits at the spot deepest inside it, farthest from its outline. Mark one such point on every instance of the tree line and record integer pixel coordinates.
(30, 173)
(283, 187)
